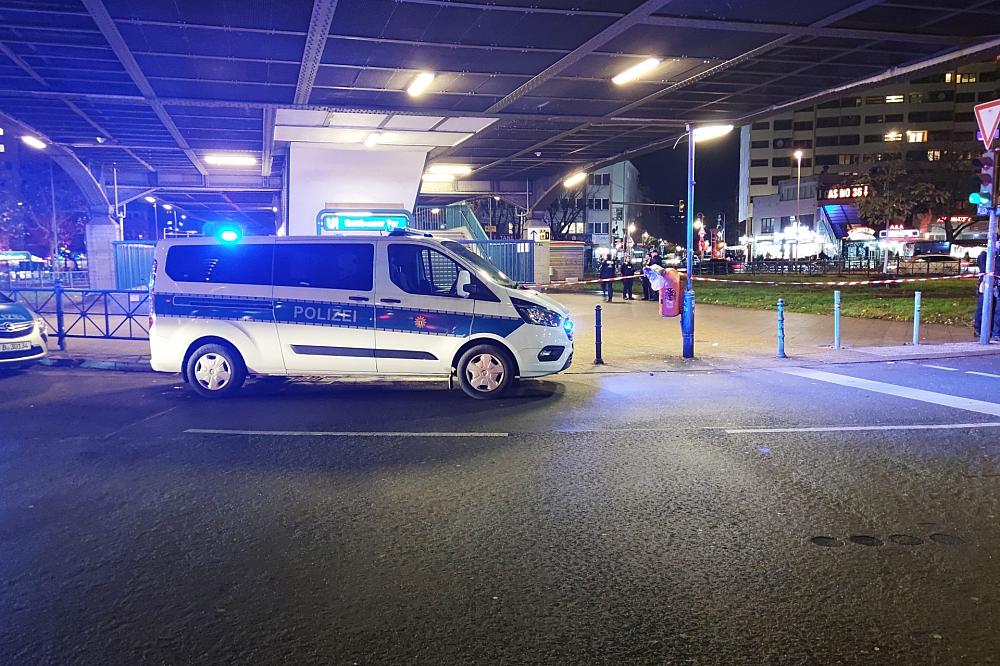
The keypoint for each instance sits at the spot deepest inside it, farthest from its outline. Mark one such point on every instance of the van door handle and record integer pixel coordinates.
(363, 299)
(390, 300)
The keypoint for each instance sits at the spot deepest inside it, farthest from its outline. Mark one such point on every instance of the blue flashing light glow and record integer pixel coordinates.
(364, 221)
(568, 325)
(229, 234)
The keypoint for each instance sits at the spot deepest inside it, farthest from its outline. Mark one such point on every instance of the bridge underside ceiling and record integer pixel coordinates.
(153, 88)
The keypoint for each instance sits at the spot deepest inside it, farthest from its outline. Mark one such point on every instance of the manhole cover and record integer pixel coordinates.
(826, 541)
(863, 540)
(946, 539)
(905, 540)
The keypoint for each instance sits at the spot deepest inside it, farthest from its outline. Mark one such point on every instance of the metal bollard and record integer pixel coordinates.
(60, 328)
(836, 319)
(917, 297)
(598, 360)
(781, 328)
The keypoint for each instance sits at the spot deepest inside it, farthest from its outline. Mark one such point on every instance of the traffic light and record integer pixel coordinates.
(987, 193)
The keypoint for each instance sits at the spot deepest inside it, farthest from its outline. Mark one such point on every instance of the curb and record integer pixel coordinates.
(97, 364)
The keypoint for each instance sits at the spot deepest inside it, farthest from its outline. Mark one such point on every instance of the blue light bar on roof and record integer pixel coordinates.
(350, 220)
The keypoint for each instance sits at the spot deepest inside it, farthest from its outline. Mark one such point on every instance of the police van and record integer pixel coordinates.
(369, 302)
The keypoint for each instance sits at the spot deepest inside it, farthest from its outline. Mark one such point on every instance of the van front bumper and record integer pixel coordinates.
(542, 361)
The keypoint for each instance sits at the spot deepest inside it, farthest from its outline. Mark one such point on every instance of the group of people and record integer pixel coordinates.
(978, 320)
(612, 268)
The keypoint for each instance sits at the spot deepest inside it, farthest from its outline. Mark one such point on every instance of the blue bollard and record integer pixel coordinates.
(917, 297)
(836, 319)
(598, 360)
(781, 328)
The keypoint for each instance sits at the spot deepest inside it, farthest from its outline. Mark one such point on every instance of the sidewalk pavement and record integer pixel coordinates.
(636, 339)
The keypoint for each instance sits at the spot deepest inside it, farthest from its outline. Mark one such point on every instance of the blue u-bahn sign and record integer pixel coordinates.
(352, 220)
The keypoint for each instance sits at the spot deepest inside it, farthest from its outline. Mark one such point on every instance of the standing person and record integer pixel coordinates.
(647, 290)
(627, 271)
(608, 272)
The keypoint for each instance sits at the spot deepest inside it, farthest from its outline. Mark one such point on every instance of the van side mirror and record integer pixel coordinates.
(463, 284)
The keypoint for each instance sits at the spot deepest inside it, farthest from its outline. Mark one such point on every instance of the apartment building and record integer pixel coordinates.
(10, 174)
(915, 120)
(607, 202)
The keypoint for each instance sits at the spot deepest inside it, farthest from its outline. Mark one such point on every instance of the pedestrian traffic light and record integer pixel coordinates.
(987, 193)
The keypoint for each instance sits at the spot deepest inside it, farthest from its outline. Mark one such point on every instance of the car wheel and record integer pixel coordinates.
(485, 371)
(215, 371)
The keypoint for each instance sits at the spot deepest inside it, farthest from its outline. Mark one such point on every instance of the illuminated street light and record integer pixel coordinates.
(453, 169)
(33, 142)
(694, 135)
(438, 177)
(634, 72)
(151, 200)
(708, 132)
(575, 179)
(167, 206)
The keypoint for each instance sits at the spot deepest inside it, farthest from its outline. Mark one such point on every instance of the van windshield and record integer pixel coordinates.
(482, 266)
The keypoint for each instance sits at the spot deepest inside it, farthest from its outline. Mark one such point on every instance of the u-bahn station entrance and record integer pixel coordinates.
(264, 115)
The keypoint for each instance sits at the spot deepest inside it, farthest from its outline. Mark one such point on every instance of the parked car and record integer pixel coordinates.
(23, 335)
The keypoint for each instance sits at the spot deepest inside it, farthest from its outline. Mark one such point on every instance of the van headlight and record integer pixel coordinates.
(40, 326)
(536, 314)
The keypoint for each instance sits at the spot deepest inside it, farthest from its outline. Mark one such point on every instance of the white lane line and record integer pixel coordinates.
(968, 404)
(319, 433)
(918, 426)
(940, 367)
(982, 374)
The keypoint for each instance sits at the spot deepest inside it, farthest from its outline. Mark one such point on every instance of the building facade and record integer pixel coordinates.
(917, 120)
(10, 171)
(608, 205)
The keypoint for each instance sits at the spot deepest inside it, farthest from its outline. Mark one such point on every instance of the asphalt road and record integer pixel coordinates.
(633, 518)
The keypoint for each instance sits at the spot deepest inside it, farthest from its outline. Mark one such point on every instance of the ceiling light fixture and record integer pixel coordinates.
(34, 142)
(420, 83)
(634, 72)
(453, 169)
(438, 177)
(230, 159)
(575, 179)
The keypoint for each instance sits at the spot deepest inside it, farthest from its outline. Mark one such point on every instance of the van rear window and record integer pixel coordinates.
(229, 264)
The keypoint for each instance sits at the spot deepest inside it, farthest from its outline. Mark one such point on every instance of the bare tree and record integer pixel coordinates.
(563, 213)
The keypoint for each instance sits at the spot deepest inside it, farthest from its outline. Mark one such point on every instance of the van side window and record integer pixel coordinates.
(229, 264)
(347, 266)
(417, 269)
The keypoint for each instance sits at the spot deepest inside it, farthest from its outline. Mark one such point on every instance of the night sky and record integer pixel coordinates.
(717, 163)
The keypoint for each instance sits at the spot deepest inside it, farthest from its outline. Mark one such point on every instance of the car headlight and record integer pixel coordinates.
(536, 314)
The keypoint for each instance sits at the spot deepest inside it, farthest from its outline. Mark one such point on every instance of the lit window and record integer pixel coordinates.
(1, 131)
(893, 135)
(948, 77)
(933, 155)
(894, 99)
(2, 147)
(966, 78)
(916, 136)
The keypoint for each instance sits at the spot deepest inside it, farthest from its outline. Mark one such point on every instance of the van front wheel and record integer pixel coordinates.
(215, 371)
(485, 371)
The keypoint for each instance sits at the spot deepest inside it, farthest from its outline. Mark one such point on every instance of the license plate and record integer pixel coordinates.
(14, 346)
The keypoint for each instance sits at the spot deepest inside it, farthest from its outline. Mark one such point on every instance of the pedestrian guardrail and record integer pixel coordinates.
(88, 313)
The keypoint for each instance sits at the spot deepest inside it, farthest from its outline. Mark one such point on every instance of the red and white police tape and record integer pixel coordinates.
(823, 283)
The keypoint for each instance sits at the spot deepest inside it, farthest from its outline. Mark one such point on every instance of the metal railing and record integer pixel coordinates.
(43, 279)
(88, 313)
(515, 258)
(455, 216)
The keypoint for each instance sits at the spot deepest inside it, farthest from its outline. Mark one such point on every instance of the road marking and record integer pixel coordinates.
(919, 426)
(982, 374)
(968, 404)
(940, 367)
(335, 433)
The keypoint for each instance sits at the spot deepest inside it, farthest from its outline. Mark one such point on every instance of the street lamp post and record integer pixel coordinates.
(694, 134)
(798, 195)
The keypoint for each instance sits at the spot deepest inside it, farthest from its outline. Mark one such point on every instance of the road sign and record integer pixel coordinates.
(988, 117)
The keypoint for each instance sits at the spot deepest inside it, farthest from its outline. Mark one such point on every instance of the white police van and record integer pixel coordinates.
(355, 303)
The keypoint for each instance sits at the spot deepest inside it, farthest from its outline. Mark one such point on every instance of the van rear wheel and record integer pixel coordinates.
(215, 371)
(485, 371)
